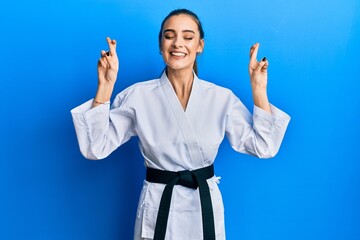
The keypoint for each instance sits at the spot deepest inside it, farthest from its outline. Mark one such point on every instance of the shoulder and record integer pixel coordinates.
(144, 85)
(140, 87)
(212, 88)
(135, 90)
(217, 94)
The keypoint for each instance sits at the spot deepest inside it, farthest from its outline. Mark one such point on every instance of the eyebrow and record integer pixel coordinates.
(172, 30)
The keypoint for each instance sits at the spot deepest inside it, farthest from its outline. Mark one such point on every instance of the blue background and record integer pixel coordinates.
(49, 52)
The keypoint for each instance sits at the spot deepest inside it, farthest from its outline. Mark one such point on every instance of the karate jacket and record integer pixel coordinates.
(174, 139)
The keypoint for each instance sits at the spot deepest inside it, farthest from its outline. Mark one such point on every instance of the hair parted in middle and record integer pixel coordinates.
(187, 12)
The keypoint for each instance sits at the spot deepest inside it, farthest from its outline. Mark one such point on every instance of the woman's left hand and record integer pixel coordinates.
(257, 70)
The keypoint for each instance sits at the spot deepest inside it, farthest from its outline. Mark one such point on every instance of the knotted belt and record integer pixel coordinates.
(191, 179)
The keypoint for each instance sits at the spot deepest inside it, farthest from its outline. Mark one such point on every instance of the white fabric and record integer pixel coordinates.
(173, 139)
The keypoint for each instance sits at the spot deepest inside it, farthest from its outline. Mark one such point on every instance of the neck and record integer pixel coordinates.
(181, 80)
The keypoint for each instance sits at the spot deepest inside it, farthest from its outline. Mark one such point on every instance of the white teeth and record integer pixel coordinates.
(178, 54)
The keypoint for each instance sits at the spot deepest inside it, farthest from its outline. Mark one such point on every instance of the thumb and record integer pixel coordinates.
(262, 65)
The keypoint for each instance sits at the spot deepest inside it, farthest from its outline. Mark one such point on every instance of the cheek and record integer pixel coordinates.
(194, 49)
(165, 43)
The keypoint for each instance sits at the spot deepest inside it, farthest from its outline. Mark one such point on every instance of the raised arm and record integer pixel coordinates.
(99, 128)
(261, 133)
(108, 67)
(258, 78)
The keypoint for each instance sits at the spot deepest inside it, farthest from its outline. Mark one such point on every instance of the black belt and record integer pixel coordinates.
(191, 179)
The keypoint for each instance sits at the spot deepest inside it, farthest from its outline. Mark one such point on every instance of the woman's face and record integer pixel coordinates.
(180, 42)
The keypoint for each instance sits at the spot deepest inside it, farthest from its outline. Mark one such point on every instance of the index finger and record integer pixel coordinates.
(112, 46)
(254, 52)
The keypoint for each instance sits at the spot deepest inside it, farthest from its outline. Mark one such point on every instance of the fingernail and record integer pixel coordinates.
(264, 59)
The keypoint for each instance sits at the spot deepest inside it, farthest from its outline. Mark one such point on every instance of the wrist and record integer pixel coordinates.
(261, 99)
(103, 93)
(259, 91)
(106, 85)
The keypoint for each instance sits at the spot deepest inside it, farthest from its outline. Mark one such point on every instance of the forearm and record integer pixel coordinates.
(261, 99)
(90, 125)
(103, 94)
(262, 136)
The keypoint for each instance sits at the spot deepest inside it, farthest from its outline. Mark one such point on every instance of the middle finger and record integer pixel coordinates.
(254, 52)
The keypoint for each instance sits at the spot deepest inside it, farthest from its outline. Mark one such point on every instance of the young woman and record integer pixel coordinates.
(180, 121)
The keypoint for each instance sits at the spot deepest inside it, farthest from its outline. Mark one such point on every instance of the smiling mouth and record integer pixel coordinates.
(178, 54)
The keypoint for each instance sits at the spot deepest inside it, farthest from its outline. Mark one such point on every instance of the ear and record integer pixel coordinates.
(201, 46)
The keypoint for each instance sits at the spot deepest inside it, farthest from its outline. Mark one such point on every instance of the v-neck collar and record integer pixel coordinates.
(193, 100)
(185, 118)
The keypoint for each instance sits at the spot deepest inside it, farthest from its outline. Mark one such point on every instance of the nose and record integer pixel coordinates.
(177, 43)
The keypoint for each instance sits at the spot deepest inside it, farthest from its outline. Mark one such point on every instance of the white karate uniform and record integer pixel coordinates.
(173, 139)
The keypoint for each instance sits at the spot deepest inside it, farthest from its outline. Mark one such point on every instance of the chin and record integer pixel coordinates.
(179, 67)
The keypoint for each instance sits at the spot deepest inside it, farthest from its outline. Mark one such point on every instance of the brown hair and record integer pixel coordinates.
(185, 12)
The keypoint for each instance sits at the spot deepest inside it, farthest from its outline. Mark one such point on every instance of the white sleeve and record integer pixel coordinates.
(261, 134)
(100, 130)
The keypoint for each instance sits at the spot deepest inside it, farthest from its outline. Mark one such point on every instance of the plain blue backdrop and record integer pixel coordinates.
(49, 52)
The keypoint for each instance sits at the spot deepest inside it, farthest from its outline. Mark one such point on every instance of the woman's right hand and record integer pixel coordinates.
(108, 65)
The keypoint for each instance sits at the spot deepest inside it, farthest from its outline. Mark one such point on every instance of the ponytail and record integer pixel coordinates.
(195, 67)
